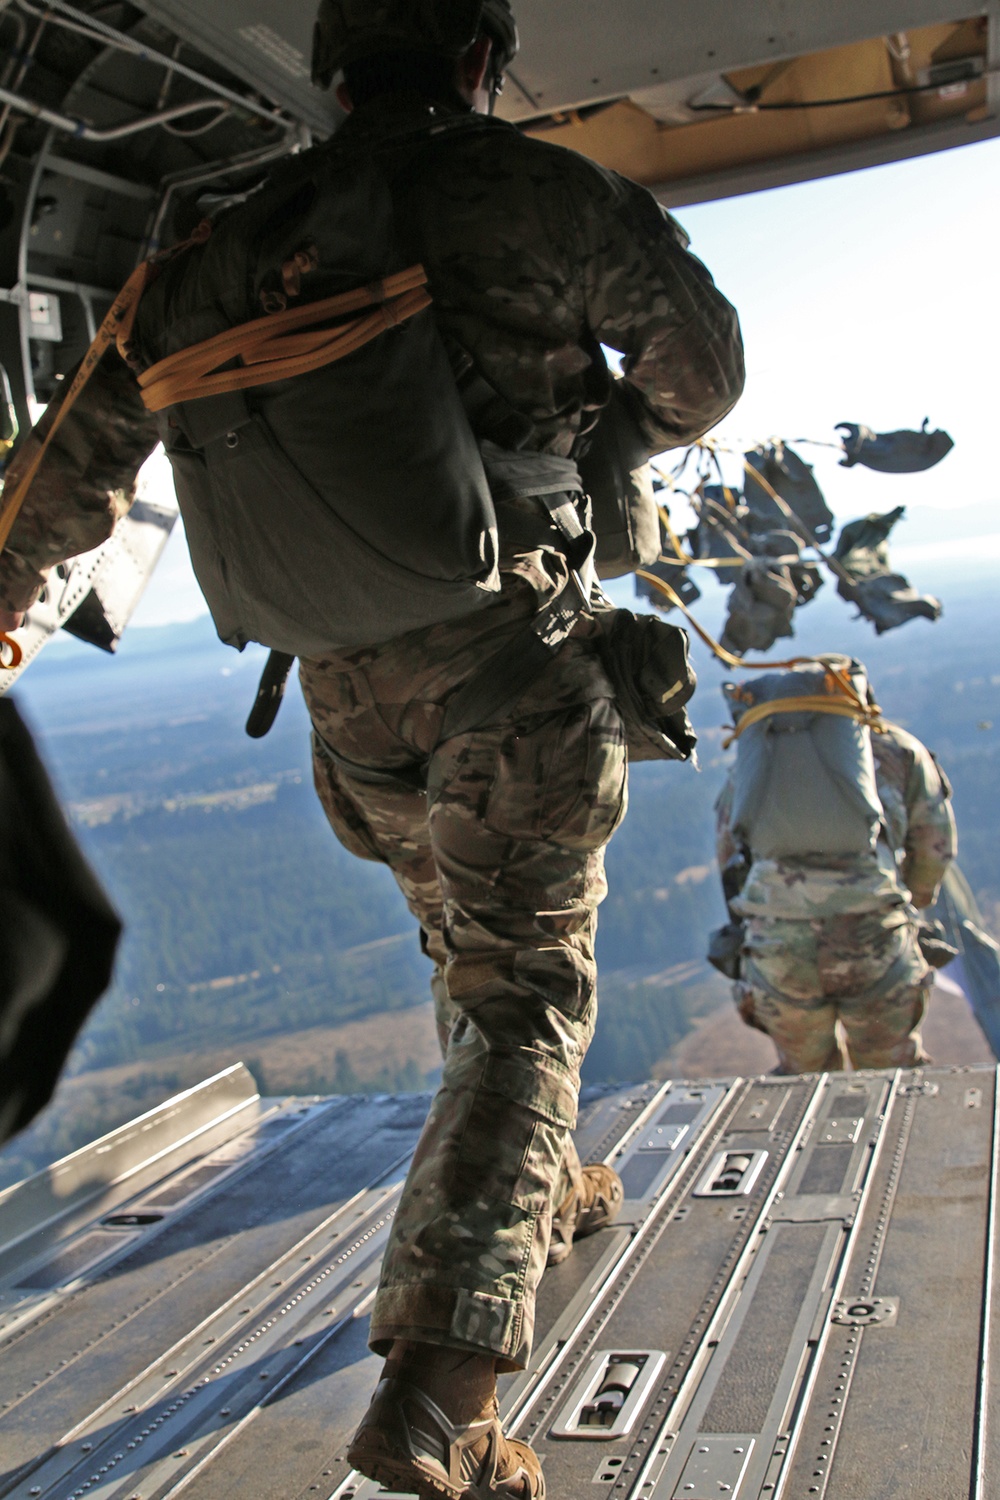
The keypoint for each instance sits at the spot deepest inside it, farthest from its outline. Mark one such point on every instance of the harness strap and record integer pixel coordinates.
(502, 680)
(813, 703)
(282, 345)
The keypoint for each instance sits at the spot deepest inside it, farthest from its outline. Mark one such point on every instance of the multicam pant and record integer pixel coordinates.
(502, 863)
(863, 971)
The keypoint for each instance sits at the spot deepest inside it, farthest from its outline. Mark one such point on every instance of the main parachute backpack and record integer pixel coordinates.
(349, 504)
(804, 781)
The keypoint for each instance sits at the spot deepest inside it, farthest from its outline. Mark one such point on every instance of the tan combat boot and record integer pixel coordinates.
(595, 1202)
(433, 1429)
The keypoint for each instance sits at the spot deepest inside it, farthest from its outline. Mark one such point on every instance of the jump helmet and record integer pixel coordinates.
(346, 30)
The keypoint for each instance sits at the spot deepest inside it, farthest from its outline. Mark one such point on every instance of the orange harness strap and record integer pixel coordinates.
(269, 346)
(281, 345)
(815, 703)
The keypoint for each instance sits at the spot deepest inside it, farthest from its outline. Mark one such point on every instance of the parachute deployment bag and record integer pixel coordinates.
(804, 783)
(346, 505)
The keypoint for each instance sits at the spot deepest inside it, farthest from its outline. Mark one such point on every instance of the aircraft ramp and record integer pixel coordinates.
(798, 1300)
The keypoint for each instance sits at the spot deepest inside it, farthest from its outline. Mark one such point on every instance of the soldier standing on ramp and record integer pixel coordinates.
(831, 828)
(480, 753)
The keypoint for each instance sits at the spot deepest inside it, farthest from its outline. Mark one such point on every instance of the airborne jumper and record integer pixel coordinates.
(182, 1310)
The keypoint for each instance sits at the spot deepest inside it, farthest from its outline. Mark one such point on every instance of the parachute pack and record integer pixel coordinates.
(355, 502)
(804, 782)
(292, 549)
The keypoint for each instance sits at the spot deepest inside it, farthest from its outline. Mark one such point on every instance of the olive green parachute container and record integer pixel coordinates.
(341, 507)
(804, 783)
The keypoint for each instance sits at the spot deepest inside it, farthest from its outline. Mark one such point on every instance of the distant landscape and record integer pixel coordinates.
(252, 935)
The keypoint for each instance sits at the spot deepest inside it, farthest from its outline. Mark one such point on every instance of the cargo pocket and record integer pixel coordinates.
(562, 779)
(347, 822)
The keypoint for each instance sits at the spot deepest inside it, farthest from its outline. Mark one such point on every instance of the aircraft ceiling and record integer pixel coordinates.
(647, 61)
(577, 51)
(267, 42)
(700, 99)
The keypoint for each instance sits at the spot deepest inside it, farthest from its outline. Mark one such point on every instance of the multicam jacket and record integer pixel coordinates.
(916, 800)
(911, 857)
(535, 258)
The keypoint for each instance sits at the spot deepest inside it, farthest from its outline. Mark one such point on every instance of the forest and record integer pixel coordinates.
(247, 926)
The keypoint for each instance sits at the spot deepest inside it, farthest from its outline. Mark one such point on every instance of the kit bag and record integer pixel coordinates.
(804, 783)
(347, 505)
(649, 665)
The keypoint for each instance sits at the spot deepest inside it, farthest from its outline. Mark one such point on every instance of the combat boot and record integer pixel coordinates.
(593, 1203)
(433, 1430)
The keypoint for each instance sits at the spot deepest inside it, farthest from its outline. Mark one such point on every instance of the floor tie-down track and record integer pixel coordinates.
(796, 1302)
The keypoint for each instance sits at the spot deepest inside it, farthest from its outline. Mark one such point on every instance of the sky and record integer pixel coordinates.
(869, 297)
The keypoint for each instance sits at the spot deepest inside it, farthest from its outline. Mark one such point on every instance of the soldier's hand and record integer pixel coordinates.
(11, 619)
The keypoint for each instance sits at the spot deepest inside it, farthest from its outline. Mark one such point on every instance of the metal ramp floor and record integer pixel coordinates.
(797, 1301)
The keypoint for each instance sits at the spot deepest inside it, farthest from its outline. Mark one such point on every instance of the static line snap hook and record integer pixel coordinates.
(13, 650)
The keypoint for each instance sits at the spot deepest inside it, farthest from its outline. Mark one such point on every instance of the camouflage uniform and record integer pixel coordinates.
(834, 940)
(535, 256)
(502, 863)
(86, 483)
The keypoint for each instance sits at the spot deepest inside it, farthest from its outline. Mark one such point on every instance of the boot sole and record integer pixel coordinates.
(401, 1475)
(405, 1477)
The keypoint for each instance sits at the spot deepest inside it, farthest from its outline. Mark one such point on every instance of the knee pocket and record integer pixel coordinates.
(561, 780)
(513, 1135)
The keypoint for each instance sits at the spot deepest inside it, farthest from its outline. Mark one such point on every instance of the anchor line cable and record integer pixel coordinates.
(752, 107)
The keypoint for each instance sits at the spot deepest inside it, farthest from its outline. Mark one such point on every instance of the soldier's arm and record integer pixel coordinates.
(86, 481)
(654, 302)
(931, 838)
